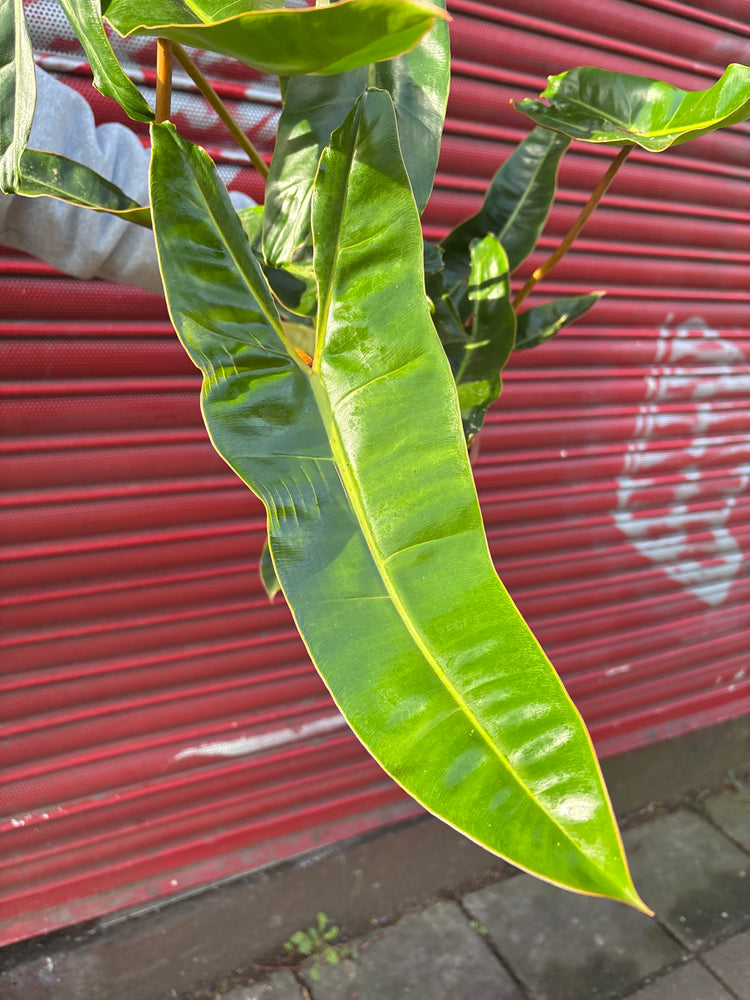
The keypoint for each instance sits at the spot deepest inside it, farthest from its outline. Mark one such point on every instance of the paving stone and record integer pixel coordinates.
(731, 811)
(433, 954)
(697, 882)
(691, 982)
(563, 946)
(278, 986)
(731, 963)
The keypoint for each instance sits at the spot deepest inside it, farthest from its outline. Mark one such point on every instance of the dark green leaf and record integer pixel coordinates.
(251, 218)
(515, 207)
(373, 518)
(17, 91)
(418, 83)
(493, 331)
(617, 108)
(538, 324)
(55, 176)
(432, 258)
(445, 318)
(286, 42)
(109, 78)
(314, 106)
(296, 295)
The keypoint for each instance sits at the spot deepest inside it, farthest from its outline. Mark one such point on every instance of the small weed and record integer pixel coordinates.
(320, 944)
(733, 781)
(479, 927)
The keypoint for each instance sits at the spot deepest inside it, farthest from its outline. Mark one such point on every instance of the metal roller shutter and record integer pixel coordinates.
(162, 726)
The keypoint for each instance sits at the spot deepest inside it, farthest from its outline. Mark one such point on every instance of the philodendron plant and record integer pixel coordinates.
(346, 363)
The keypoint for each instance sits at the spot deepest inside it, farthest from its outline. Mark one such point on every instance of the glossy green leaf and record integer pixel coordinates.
(17, 91)
(478, 350)
(418, 83)
(445, 317)
(373, 518)
(109, 78)
(538, 324)
(313, 107)
(617, 108)
(432, 257)
(55, 176)
(493, 332)
(286, 42)
(296, 295)
(515, 207)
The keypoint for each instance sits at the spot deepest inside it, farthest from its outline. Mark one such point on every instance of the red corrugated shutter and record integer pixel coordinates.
(162, 726)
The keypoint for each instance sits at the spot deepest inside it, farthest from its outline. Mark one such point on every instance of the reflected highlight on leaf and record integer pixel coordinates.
(373, 519)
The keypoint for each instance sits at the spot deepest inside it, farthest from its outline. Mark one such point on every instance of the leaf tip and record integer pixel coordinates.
(631, 898)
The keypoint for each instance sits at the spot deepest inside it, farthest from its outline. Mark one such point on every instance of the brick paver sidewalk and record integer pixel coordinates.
(521, 939)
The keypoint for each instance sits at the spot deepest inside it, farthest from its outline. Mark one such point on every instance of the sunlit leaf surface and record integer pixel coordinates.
(305, 40)
(86, 20)
(618, 108)
(540, 323)
(314, 106)
(492, 335)
(17, 91)
(56, 176)
(373, 519)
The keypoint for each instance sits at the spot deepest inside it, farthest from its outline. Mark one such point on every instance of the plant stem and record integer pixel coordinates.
(596, 196)
(163, 79)
(220, 108)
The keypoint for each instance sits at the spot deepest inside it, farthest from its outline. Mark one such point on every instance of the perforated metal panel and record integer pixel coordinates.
(161, 724)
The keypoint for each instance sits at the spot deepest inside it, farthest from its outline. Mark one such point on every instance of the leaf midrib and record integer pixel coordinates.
(629, 129)
(353, 496)
(351, 488)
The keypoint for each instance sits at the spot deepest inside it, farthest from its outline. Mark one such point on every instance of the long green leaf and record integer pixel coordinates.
(493, 332)
(55, 176)
(374, 524)
(17, 91)
(617, 108)
(445, 317)
(109, 78)
(286, 42)
(540, 323)
(418, 83)
(515, 207)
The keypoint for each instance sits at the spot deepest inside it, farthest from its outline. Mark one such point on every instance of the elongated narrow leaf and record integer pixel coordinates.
(432, 257)
(477, 357)
(515, 207)
(373, 519)
(445, 317)
(493, 332)
(618, 108)
(295, 295)
(314, 106)
(86, 20)
(539, 324)
(17, 91)
(55, 176)
(306, 40)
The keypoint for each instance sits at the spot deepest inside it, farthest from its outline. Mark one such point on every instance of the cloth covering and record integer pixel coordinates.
(75, 240)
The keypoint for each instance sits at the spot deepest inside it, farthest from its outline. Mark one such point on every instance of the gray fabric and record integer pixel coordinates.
(75, 240)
